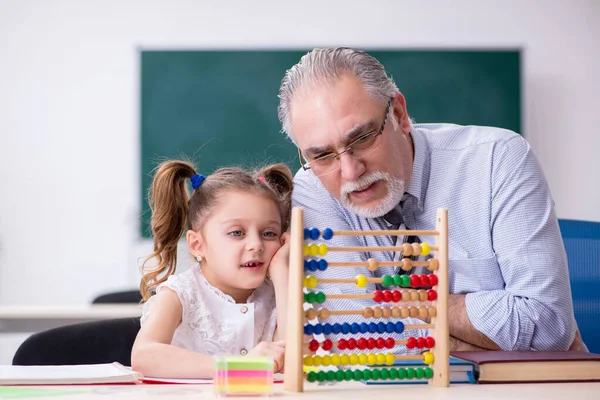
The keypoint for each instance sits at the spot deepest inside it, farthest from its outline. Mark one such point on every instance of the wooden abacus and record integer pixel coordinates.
(297, 353)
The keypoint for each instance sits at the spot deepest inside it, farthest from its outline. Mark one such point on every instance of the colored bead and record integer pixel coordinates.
(327, 233)
(380, 358)
(390, 358)
(390, 343)
(336, 328)
(432, 311)
(345, 328)
(357, 375)
(364, 327)
(419, 373)
(327, 344)
(425, 249)
(423, 312)
(312, 376)
(339, 376)
(428, 357)
(404, 280)
(313, 250)
(371, 359)
(375, 374)
(380, 343)
(308, 361)
(306, 265)
(387, 281)
(368, 312)
(322, 265)
(372, 327)
(363, 359)
(406, 264)
(316, 361)
(320, 297)
(399, 327)
(367, 375)
(428, 372)
(306, 250)
(314, 233)
(321, 376)
(393, 373)
(306, 233)
(313, 265)
(422, 295)
(312, 282)
(322, 249)
(372, 264)
(385, 374)
(308, 329)
(377, 312)
(395, 312)
(431, 295)
(326, 360)
(424, 280)
(401, 373)
(411, 343)
(313, 345)
(344, 359)
(310, 297)
(342, 344)
(414, 280)
(353, 359)
(390, 327)
(355, 328)
(433, 280)
(420, 343)
(429, 342)
(362, 343)
(434, 264)
(377, 296)
(381, 327)
(335, 359)
(397, 279)
(351, 344)
(416, 248)
(361, 281)
(318, 329)
(348, 374)
(406, 250)
(387, 296)
(410, 373)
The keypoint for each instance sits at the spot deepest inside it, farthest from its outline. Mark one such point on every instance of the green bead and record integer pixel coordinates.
(312, 376)
(320, 298)
(310, 297)
(367, 374)
(428, 373)
(393, 373)
(348, 375)
(385, 374)
(404, 281)
(321, 376)
(387, 281)
(410, 373)
(375, 374)
(402, 373)
(419, 373)
(339, 375)
(397, 280)
(357, 375)
(330, 376)
(306, 297)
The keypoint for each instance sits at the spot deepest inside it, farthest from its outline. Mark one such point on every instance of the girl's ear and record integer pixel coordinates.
(195, 244)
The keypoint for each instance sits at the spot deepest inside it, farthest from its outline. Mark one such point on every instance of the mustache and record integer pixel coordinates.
(364, 182)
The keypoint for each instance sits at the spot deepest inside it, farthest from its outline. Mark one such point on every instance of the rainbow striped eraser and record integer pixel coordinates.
(243, 376)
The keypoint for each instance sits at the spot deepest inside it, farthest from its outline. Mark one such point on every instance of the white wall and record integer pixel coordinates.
(69, 134)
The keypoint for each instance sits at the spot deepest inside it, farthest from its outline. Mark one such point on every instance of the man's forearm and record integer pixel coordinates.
(461, 327)
(459, 345)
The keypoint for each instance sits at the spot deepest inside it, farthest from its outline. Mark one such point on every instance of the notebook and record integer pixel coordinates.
(532, 366)
(67, 374)
(277, 378)
(460, 372)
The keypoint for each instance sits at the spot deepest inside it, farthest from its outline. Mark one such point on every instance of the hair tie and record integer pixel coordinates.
(197, 180)
(262, 179)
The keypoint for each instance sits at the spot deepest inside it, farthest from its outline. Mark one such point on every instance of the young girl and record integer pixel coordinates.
(235, 224)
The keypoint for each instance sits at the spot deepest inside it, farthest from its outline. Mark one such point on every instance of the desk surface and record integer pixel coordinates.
(345, 390)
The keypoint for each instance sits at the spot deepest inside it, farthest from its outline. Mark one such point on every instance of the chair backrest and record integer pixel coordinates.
(582, 244)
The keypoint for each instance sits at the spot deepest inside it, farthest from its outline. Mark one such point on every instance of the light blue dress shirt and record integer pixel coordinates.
(505, 249)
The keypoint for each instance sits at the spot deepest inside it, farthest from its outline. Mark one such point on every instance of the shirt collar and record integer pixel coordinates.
(419, 177)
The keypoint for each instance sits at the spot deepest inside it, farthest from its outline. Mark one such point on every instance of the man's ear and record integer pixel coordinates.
(399, 105)
(195, 244)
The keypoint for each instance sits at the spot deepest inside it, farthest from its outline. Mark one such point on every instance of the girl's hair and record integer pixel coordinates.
(174, 211)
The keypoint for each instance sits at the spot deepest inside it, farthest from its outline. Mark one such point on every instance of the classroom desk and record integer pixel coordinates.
(345, 390)
(26, 319)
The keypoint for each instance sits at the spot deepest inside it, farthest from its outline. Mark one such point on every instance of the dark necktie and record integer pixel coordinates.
(396, 218)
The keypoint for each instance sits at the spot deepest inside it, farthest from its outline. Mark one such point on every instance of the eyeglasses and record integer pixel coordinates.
(360, 148)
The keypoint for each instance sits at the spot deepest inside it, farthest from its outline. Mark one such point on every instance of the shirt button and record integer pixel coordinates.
(243, 352)
(244, 309)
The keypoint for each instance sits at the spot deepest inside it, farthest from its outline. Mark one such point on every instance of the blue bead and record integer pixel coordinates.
(345, 327)
(314, 233)
(308, 329)
(327, 329)
(322, 265)
(327, 234)
(390, 327)
(381, 327)
(399, 327)
(355, 327)
(313, 265)
(306, 233)
(336, 328)
(373, 327)
(306, 265)
(318, 329)
(364, 328)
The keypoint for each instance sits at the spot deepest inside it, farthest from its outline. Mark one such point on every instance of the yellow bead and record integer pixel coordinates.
(361, 281)
(308, 361)
(306, 250)
(322, 249)
(326, 360)
(305, 283)
(389, 358)
(353, 359)
(428, 357)
(313, 249)
(316, 361)
(335, 359)
(380, 358)
(425, 249)
(362, 359)
(311, 282)
(344, 359)
(371, 359)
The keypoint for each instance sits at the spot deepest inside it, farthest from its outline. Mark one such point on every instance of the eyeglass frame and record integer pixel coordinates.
(348, 149)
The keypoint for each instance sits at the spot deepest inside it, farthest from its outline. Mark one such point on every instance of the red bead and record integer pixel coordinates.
(429, 342)
(371, 343)
(380, 343)
(387, 296)
(411, 343)
(362, 343)
(431, 295)
(396, 296)
(420, 343)
(377, 296)
(390, 343)
(352, 344)
(414, 280)
(433, 280)
(327, 344)
(313, 345)
(424, 280)
(342, 344)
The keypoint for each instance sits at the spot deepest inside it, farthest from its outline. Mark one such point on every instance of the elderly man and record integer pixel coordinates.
(366, 165)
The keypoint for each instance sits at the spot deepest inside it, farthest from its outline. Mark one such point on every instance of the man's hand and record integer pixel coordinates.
(577, 344)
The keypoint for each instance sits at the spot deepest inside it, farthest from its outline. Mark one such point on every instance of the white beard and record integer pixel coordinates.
(392, 199)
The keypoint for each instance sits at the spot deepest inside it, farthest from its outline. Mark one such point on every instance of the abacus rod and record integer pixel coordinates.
(335, 344)
(371, 248)
(398, 232)
(379, 264)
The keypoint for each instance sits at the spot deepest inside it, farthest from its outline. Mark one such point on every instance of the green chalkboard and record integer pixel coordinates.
(219, 107)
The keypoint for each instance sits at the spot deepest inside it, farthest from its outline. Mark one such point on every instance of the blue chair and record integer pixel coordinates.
(582, 244)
